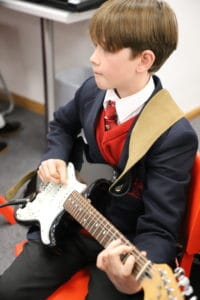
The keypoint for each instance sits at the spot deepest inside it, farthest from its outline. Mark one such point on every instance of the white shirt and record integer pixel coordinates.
(130, 106)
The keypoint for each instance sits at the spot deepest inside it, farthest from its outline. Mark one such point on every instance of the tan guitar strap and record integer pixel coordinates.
(15, 188)
(160, 113)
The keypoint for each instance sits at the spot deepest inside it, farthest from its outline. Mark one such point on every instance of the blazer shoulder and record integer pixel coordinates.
(183, 126)
(88, 91)
(181, 133)
(89, 86)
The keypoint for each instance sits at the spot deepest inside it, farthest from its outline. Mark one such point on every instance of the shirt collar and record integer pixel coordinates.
(129, 106)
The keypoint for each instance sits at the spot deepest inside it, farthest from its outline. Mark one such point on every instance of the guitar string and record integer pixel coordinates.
(139, 271)
(108, 229)
(82, 212)
(94, 213)
(146, 266)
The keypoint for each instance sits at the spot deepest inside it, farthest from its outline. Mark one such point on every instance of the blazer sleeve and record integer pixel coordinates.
(165, 194)
(78, 114)
(64, 129)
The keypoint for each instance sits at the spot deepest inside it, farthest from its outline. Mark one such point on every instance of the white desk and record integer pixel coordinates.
(47, 17)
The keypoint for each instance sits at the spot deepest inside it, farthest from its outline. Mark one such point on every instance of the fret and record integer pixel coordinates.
(96, 224)
(88, 218)
(78, 211)
(105, 239)
(82, 216)
(95, 228)
(103, 231)
(91, 222)
(101, 234)
(72, 207)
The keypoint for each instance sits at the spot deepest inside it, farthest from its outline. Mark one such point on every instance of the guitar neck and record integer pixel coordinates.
(103, 231)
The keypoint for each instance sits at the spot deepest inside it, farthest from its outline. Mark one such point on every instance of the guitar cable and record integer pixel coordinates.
(22, 201)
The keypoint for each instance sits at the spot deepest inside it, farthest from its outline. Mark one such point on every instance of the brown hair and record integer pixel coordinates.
(136, 24)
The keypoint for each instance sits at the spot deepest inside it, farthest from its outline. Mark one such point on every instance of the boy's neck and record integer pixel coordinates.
(134, 88)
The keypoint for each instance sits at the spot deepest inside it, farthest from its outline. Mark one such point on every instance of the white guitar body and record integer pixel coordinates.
(47, 208)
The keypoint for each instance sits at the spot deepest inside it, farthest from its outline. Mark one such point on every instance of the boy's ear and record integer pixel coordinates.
(147, 58)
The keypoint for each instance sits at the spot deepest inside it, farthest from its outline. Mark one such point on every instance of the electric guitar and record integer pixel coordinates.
(157, 280)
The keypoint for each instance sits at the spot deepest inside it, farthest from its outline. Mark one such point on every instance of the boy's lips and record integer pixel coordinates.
(97, 73)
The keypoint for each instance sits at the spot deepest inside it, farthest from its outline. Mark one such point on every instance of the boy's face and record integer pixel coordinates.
(115, 70)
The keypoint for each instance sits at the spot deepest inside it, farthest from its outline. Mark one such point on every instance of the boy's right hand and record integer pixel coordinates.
(53, 170)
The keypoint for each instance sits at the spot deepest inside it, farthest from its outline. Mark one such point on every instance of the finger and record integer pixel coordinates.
(40, 174)
(103, 261)
(52, 169)
(100, 262)
(128, 265)
(113, 244)
(62, 171)
(144, 253)
(118, 249)
(112, 255)
(47, 171)
(43, 173)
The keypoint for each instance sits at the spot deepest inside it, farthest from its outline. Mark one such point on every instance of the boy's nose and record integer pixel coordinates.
(94, 59)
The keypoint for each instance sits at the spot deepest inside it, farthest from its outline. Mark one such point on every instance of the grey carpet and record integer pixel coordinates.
(23, 154)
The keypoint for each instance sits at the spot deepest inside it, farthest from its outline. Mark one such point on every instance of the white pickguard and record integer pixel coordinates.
(48, 204)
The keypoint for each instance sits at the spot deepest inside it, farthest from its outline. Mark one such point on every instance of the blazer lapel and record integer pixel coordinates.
(160, 113)
(94, 107)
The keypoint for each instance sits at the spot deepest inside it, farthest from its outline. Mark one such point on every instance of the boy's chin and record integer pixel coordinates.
(102, 85)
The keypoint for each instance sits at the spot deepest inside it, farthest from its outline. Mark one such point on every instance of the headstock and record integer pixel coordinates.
(162, 284)
(184, 284)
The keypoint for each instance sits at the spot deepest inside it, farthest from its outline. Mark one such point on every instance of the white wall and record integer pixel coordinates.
(20, 53)
(181, 72)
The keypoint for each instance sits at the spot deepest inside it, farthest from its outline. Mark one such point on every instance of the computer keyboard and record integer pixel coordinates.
(71, 5)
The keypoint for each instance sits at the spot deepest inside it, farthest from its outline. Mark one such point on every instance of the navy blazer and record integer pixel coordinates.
(152, 212)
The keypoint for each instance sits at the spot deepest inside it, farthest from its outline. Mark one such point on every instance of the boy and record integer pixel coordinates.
(132, 39)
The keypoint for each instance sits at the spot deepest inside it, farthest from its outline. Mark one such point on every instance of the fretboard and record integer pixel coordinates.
(103, 231)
